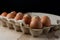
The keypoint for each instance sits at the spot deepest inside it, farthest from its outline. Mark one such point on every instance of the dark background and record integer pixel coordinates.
(52, 7)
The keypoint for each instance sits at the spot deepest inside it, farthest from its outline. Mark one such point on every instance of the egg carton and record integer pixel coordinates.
(13, 24)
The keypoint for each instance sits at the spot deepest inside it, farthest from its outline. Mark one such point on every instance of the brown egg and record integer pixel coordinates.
(10, 15)
(37, 18)
(14, 12)
(36, 23)
(27, 18)
(19, 16)
(4, 14)
(46, 21)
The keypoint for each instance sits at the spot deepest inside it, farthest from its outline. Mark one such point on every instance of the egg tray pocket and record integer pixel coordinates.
(25, 28)
(4, 19)
(17, 28)
(10, 26)
(0, 21)
(46, 29)
(36, 32)
(4, 24)
(56, 27)
(11, 21)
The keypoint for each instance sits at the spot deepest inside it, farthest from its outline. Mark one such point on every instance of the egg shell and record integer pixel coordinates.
(14, 12)
(35, 23)
(35, 18)
(27, 18)
(10, 15)
(4, 14)
(45, 20)
(19, 16)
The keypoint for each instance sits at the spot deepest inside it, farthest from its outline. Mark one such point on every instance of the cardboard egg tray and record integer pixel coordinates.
(21, 26)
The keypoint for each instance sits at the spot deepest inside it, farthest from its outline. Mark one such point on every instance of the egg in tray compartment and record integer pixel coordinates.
(45, 20)
(3, 19)
(18, 18)
(10, 18)
(27, 24)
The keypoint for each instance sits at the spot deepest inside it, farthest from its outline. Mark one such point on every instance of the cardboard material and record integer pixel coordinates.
(25, 28)
(36, 32)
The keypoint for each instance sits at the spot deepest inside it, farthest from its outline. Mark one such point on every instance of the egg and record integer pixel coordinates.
(4, 14)
(27, 18)
(19, 16)
(10, 15)
(45, 20)
(36, 23)
(14, 12)
(37, 18)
